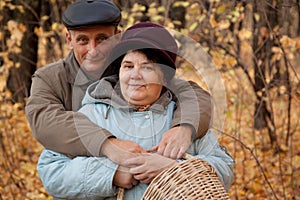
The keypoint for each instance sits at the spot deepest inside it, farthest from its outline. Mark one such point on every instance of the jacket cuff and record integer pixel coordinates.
(101, 185)
(175, 124)
(108, 136)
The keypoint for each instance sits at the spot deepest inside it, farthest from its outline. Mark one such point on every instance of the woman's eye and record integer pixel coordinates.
(127, 66)
(148, 68)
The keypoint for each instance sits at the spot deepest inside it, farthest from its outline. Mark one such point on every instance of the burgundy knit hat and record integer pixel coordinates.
(147, 35)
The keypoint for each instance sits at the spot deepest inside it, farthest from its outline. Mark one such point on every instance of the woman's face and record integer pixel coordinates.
(141, 80)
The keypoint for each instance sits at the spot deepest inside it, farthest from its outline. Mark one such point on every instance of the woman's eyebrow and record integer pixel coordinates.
(126, 62)
(143, 63)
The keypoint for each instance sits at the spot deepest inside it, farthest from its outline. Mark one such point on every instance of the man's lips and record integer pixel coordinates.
(94, 58)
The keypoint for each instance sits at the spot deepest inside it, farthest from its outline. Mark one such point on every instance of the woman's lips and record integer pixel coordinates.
(136, 86)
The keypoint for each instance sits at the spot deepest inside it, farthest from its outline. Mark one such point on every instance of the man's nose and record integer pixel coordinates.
(92, 48)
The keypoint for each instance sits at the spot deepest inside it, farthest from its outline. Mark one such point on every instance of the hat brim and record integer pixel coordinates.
(83, 14)
(136, 44)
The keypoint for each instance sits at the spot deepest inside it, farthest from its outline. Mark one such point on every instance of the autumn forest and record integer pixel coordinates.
(253, 50)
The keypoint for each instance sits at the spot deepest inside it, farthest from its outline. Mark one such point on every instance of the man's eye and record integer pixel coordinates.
(82, 40)
(101, 39)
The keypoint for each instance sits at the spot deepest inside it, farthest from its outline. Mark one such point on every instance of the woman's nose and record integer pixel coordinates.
(135, 73)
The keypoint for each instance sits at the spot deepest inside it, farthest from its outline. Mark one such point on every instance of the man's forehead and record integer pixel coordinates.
(99, 29)
(95, 28)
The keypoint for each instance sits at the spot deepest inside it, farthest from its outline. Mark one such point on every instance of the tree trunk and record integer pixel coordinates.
(178, 14)
(263, 115)
(19, 80)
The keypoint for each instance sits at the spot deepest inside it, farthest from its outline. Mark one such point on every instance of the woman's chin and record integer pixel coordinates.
(136, 101)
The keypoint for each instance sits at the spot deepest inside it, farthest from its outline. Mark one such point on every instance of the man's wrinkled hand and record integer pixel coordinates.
(118, 150)
(174, 142)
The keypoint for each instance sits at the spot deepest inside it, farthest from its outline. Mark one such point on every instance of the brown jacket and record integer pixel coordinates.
(57, 91)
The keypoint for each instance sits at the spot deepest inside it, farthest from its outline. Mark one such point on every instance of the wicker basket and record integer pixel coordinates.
(191, 179)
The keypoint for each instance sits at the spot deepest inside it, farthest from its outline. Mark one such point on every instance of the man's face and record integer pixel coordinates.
(91, 45)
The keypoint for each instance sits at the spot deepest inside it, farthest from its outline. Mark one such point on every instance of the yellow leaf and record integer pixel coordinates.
(20, 8)
(152, 11)
(193, 26)
(45, 17)
(12, 25)
(201, 18)
(245, 34)
(224, 24)
(230, 61)
(137, 7)
(181, 3)
(161, 9)
(22, 27)
(296, 160)
(38, 31)
(242, 192)
(124, 15)
(177, 22)
(18, 65)
(256, 187)
(276, 50)
(54, 26)
(157, 18)
(256, 17)
(220, 9)
(212, 21)
(194, 8)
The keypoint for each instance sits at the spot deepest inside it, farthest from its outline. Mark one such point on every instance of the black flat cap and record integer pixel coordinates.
(85, 13)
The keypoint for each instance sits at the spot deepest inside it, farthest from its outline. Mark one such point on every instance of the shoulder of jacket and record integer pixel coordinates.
(50, 69)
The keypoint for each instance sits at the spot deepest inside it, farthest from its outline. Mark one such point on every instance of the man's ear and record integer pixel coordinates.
(118, 35)
(69, 39)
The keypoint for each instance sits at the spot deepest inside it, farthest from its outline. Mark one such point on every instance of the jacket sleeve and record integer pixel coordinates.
(194, 106)
(208, 149)
(56, 127)
(78, 178)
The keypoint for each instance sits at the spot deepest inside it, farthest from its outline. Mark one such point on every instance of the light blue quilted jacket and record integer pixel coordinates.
(92, 177)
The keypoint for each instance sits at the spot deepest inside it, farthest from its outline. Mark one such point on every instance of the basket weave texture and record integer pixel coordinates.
(191, 179)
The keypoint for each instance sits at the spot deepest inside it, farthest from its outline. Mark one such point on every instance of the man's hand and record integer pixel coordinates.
(118, 150)
(146, 167)
(123, 178)
(174, 142)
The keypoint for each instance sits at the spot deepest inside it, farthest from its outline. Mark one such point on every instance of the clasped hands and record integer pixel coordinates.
(139, 165)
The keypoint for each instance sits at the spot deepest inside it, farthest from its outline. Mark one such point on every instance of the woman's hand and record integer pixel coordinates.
(174, 142)
(123, 178)
(118, 150)
(146, 167)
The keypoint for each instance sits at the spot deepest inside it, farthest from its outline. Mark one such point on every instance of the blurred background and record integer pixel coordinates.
(254, 44)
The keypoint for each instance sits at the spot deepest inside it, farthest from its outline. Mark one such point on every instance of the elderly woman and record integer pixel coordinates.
(135, 104)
